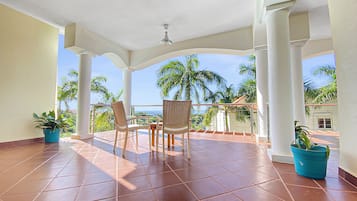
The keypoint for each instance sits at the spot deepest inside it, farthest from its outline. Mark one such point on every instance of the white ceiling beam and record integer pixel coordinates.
(79, 39)
(232, 42)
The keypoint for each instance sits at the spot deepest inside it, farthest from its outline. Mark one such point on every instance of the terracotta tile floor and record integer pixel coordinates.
(222, 167)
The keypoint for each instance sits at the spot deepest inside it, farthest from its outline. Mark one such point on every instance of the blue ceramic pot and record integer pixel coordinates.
(310, 163)
(51, 136)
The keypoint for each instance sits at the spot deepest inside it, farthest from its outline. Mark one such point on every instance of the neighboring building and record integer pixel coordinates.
(319, 118)
(322, 118)
(236, 122)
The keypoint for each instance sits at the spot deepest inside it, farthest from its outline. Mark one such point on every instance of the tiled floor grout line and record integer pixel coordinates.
(92, 152)
(144, 191)
(187, 187)
(282, 181)
(26, 175)
(85, 174)
(299, 185)
(116, 177)
(146, 175)
(322, 188)
(55, 175)
(249, 186)
(21, 162)
(271, 193)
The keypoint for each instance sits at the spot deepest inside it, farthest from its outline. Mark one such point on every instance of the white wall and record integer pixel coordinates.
(28, 68)
(344, 29)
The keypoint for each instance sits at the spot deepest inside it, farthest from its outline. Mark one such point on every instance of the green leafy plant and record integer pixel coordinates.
(303, 139)
(49, 121)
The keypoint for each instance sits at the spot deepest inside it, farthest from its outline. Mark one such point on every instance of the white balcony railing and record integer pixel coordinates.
(226, 118)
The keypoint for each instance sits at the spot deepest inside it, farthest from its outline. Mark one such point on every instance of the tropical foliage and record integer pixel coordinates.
(248, 86)
(105, 119)
(69, 89)
(324, 94)
(303, 139)
(185, 80)
(328, 93)
(50, 121)
(67, 92)
(225, 95)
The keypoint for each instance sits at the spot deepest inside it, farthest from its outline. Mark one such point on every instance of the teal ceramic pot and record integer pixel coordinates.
(310, 163)
(51, 136)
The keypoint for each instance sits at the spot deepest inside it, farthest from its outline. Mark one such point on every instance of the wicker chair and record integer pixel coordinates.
(176, 120)
(122, 125)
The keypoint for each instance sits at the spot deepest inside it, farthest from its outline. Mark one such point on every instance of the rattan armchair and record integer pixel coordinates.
(122, 124)
(176, 120)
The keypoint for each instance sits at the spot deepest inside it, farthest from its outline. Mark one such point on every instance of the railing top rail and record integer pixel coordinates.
(201, 104)
(324, 104)
(211, 104)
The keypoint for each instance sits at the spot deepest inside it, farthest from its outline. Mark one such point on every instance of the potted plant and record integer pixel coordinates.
(51, 125)
(310, 159)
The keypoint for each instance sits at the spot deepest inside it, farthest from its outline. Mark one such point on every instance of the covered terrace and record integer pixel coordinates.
(279, 32)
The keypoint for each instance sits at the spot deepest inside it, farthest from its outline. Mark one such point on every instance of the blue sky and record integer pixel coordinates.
(144, 90)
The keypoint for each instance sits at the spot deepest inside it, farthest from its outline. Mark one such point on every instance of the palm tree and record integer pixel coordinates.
(249, 90)
(66, 93)
(186, 80)
(105, 120)
(69, 89)
(310, 93)
(111, 97)
(249, 68)
(248, 87)
(327, 93)
(225, 95)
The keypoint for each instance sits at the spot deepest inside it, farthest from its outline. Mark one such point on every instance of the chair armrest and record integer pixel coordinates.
(136, 118)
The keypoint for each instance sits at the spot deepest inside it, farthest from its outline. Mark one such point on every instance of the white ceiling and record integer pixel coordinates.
(137, 24)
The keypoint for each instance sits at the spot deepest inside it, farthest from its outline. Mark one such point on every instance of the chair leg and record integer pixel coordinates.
(157, 139)
(163, 146)
(115, 141)
(188, 146)
(125, 143)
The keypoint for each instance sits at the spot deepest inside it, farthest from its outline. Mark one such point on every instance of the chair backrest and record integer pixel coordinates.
(176, 114)
(119, 115)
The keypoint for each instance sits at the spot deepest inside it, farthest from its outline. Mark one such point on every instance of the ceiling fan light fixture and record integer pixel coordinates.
(166, 40)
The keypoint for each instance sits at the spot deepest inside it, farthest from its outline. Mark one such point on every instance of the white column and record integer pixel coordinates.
(83, 109)
(279, 79)
(127, 90)
(344, 29)
(261, 58)
(298, 82)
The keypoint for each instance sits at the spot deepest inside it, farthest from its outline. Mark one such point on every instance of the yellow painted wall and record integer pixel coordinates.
(28, 70)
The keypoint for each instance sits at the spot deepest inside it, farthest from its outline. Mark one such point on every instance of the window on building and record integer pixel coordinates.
(324, 123)
(327, 123)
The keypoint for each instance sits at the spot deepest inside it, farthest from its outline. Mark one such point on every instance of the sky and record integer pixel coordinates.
(144, 89)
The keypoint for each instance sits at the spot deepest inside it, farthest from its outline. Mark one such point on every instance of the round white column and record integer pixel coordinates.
(261, 58)
(298, 82)
(281, 119)
(83, 112)
(344, 28)
(127, 90)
